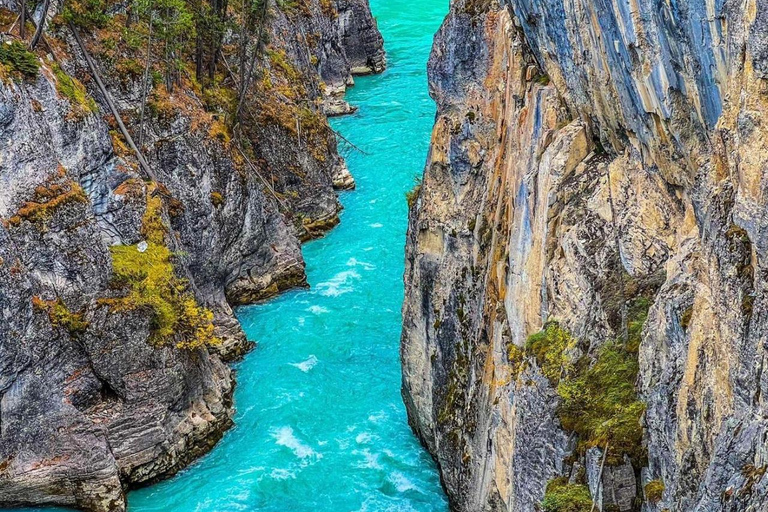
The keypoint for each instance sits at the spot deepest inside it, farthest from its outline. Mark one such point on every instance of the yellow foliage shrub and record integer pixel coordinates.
(152, 284)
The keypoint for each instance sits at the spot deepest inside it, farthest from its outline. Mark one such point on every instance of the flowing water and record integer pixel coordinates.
(320, 424)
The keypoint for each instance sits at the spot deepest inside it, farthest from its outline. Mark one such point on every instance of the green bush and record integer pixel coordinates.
(599, 403)
(17, 58)
(561, 496)
(548, 346)
(74, 91)
(413, 195)
(654, 491)
(86, 14)
(598, 399)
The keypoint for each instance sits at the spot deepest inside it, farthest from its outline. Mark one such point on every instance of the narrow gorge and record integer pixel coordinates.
(214, 230)
(584, 322)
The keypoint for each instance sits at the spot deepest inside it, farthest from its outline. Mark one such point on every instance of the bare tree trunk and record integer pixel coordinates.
(40, 25)
(139, 156)
(246, 81)
(23, 19)
(147, 65)
(199, 52)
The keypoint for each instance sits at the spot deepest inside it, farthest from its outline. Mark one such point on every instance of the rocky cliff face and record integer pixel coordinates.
(584, 315)
(116, 289)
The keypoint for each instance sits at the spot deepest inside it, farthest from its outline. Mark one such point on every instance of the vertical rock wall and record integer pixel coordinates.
(586, 154)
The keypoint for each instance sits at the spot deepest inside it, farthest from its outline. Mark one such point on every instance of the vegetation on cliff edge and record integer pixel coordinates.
(148, 274)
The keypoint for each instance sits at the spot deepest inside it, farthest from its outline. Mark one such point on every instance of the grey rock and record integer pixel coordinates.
(92, 409)
(520, 219)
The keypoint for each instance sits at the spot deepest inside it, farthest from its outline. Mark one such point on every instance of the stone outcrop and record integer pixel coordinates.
(587, 155)
(92, 401)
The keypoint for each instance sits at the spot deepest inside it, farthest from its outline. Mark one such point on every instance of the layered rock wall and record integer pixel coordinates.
(93, 400)
(587, 155)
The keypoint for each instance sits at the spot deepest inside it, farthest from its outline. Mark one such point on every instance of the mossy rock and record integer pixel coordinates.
(654, 491)
(15, 56)
(562, 496)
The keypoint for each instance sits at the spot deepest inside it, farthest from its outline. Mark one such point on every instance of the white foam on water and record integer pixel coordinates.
(363, 438)
(306, 365)
(282, 474)
(370, 460)
(377, 417)
(284, 436)
(401, 482)
(317, 310)
(354, 262)
(339, 284)
(301, 320)
(376, 225)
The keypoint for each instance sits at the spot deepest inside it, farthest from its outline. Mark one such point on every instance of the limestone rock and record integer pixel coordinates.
(579, 145)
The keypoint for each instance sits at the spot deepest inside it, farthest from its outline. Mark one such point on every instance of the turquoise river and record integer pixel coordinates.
(320, 424)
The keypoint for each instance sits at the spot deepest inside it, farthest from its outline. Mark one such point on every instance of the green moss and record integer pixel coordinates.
(152, 226)
(74, 91)
(516, 358)
(60, 316)
(217, 200)
(413, 195)
(152, 284)
(542, 79)
(279, 59)
(549, 347)
(599, 403)
(15, 56)
(598, 399)
(561, 496)
(654, 491)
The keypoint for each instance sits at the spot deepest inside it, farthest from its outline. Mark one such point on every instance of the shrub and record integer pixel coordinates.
(548, 346)
(598, 400)
(86, 14)
(654, 491)
(46, 200)
(15, 56)
(152, 284)
(74, 91)
(413, 195)
(560, 496)
(599, 403)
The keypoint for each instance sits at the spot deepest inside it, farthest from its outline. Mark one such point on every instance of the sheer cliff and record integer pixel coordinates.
(117, 276)
(584, 314)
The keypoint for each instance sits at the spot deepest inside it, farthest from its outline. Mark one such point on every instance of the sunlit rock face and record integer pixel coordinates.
(586, 154)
